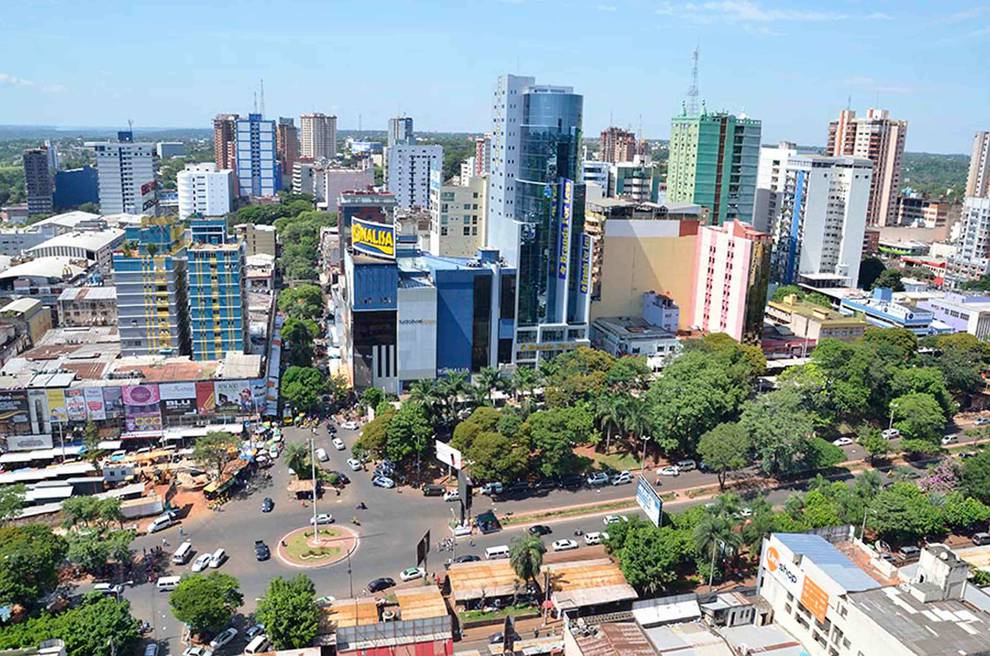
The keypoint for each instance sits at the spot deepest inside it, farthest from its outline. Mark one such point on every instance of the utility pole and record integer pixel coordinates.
(312, 468)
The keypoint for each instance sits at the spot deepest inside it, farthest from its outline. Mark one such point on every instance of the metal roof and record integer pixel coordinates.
(828, 559)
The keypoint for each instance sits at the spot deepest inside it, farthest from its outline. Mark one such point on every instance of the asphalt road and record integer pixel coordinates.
(389, 529)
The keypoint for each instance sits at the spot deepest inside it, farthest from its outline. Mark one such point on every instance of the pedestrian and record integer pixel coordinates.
(283, 543)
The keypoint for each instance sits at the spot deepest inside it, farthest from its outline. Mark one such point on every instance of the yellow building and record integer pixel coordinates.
(810, 321)
(260, 239)
(34, 318)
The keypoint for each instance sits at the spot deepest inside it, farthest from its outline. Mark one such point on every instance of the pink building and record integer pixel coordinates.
(730, 280)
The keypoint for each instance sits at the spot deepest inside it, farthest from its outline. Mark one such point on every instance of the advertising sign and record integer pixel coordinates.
(206, 400)
(95, 409)
(75, 405)
(814, 598)
(178, 399)
(422, 549)
(56, 405)
(564, 239)
(780, 563)
(448, 455)
(141, 411)
(28, 442)
(649, 500)
(373, 238)
(585, 277)
(14, 407)
(234, 397)
(113, 402)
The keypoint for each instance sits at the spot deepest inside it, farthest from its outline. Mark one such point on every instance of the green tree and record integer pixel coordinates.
(889, 279)
(870, 269)
(725, 448)
(302, 388)
(374, 435)
(524, 381)
(495, 457)
(918, 416)
(526, 556)
(873, 443)
(893, 344)
(629, 373)
(904, 513)
(608, 412)
(928, 380)
(650, 556)
(780, 429)
(714, 538)
(11, 501)
(95, 550)
(31, 556)
(298, 336)
(372, 397)
(289, 612)
(99, 626)
(553, 433)
(577, 375)
(91, 440)
(961, 358)
(214, 450)
(408, 433)
(206, 602)
(489, 380)
(298, 458)
(481, 420)
(975, 476)
(963, 513)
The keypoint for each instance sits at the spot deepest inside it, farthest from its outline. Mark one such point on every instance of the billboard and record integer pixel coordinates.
(113, 402)
(814, 598)
(448, 455)
(564, 237)
(141, 411)
(234, 397)
(649, 500)
(206, 400)
(14, 407)
(95, 408)
(56, 405)
(585, 276)
(28, 442)
(75, 405)
(373, 238)
(178, 399)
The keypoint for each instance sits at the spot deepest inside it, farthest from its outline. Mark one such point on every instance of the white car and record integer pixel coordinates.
(194, 651)
(842, 441)
(672, 470)
(350, 425)
(273, 452)
(982, 421)
(564, 545)
(321, 455)
(614, 519)
(949, 439)
(202, 562)
(338, 444)
(355, 464)
(595, 537)
(412, 573)
(451, 495)
(622, 478)
(223, 638)
(891, 434)
(383, 481)
(323, 518)
(258, 629)
(325, 601)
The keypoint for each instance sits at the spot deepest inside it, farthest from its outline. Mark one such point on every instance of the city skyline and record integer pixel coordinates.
(791, 67)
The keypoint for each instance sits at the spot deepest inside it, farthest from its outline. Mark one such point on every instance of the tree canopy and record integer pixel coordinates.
(206, 602)
(31, 556)
(289, 612)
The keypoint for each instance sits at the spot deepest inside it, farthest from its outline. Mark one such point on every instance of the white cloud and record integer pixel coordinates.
(9, 80)
(867, 83)
(748, 12)
(607, 8)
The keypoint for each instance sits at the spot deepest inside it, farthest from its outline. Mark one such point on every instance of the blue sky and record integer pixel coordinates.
(791, 64)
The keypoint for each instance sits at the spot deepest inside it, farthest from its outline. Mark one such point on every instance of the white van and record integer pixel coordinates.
(109, 589)
(218, 557)
(160, 522)
(257, 646)
(183, 553)
(166, 583)
(501, 551)
(321, 455)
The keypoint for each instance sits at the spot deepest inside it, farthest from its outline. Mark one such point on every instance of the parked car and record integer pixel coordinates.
(267, 505)
(981, 538)
(257, 629)
(338, 444)
(218, 558)
(380, 584)
(982, 421)
(540, 529)
(160, 523)
(326, 600)
(434, 490)
(194, 651)
(412, 573)
(467, 558)
(324, 518)
(910, 551)
(321, 455)
(223, 638)
(151, 649)
(342, 478)
(598, 478)
(202, 562)
(614, 519)
(355, 464)
(622, 478)
(891, 434)
(564, 545)
(451, 495)
(842, 441)
(383, 481)
(687, 465)
(671, 470)
(261, 550)
(571, 481)
(595, 537)
(349, 425)
(949, 439)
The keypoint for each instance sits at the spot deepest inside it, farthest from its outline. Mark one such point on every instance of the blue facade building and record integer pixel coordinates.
(258, 171)
(217, 300)
(73, 187)
(881, 310)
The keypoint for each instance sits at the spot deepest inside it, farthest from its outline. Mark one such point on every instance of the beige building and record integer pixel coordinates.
(978, 180)
(88, 306)
(879, 138)
(317, 136)
(457, 216)
(33, 318)
(259, 239)
(814, 322)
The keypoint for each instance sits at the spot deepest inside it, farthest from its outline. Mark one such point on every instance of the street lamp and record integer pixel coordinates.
(893, 406)
(642, 463)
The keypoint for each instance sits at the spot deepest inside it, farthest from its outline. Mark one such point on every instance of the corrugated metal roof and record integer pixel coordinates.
(829, 559)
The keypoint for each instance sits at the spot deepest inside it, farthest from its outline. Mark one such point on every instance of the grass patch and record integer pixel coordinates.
(575, 511)
(617, 460)
(518, 609)
(298, 546)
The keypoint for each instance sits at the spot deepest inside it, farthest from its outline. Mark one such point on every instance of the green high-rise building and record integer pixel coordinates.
(713, 162)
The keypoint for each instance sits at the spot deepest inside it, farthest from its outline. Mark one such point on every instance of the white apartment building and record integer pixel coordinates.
(972, 258)
(597, 172)
(318, 136)
(409, 169)
(815, 211)
(978, 179)
(400, 131)
(126, 175)
(205, 190)
(257, 165)
(457, 217)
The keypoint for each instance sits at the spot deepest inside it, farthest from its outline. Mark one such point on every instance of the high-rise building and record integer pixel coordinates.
(400, 131)
(408, 175)
(325, 181)
(257, 168)
(457, 216)
(880, 139)
(217, 292)
(318, 136)
(713, 162)
(482, 155)
(978, 180)
(204, 191)
(149, 273)
(597, 172)
(73, 187)
(536, 203)
(38, 180)
(286, 146)
(616, 145)
(127, 175)
(634, 181)
(819, 219)
(731, 277)
(225, 141)
(972, 258)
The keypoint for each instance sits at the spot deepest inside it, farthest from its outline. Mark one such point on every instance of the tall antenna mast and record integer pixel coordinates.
(255, 102)
(692, 94)
(262, 96)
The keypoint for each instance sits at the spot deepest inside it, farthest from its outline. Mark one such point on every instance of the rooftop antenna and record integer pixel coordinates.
(692, 94)
(611, 121)
(130, 125)
(849, 101)
(359, 123)
(255, 102)
(262, 103)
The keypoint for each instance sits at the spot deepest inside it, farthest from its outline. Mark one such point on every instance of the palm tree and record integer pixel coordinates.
(727, 505)
(296, 457)
(526, 556)
(524, 381)
(489, 379)
(608, 413)
(635, 419)
(426, 392)
(449, 390)
(716, 534)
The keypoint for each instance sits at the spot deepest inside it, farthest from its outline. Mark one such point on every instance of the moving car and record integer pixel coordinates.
(451, 495)
(614, 519)
(491, 488)
(434, 490)
(380, 584)
(151, 649)
(261, 550)
(412, 573)
(109, 589)
(202, 562)
(338, 444)
(341, 477)
(321, 455)
(331, 428)
(267, 505)
(223, 638)
(540, 529)
(324, 518)
(564, 545)
(355, 464)
(982, 421)
(622, 478)
(891, 434)
(383, 481)
(672, 470)
(842, 441)
(598, 478)
(687, 465)
(595, 537)
(160, 523)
